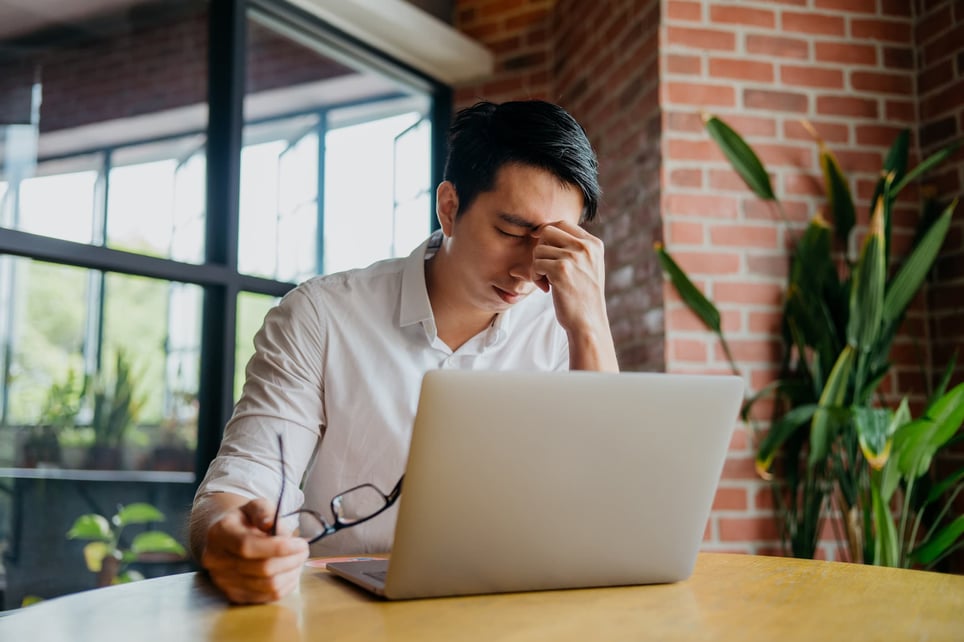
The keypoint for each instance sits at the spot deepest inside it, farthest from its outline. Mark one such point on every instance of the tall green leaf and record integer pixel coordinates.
(867, 292)
(905, 284)
(692, 297)
(895, 163)
(886, 544)
(778, 434)
(838, 194)
(933, 548)
(832, 397)
(927, 164)
(741, 156)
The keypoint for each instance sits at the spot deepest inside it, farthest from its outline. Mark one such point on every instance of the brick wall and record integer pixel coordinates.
(939, 35)
(598, 60)
(637, 74)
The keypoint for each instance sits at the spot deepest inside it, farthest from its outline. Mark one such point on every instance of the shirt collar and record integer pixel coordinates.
(415, 306)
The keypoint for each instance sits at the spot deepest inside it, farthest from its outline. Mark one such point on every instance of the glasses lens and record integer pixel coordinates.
(358, 504)
(310, 525)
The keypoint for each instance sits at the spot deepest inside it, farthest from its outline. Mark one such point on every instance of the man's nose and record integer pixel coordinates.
(522, 262)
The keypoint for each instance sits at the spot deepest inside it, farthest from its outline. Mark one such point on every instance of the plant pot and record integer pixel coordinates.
(103, 458)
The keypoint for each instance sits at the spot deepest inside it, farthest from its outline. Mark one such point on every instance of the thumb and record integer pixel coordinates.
(260, 513)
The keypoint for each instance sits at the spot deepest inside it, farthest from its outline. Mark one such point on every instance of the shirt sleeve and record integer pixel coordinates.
(283, 394)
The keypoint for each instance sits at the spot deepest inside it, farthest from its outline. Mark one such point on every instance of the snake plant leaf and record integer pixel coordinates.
(908, 279)
(895, 163)
(886, 544)
(875, 426)
(931, 550)
(917, 442)
(867, 292)
(948, 413)
(779, 432)
(831, 397)
(156, 542)
(90, 526)
(692, 297)
(138, 513)
(741, 156)
(838, 194)
(94, 554)
(945, 379)
(926, 165)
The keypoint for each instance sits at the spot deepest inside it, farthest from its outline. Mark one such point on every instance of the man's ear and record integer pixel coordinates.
(446, 206)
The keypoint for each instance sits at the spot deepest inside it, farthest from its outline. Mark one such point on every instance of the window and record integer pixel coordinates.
(119, 289)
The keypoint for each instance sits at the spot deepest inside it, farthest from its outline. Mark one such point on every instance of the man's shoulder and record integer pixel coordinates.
(381, 275)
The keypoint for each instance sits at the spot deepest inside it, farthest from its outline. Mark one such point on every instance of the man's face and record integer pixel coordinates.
(490, 244)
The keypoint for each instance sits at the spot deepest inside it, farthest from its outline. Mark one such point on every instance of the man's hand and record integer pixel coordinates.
(248, 563)
(568, 261)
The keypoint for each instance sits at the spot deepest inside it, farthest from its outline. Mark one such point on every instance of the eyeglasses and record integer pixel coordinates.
(350, 508)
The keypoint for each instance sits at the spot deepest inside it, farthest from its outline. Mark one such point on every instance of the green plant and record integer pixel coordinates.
(834, 444)
(104, 554)
(114, 401)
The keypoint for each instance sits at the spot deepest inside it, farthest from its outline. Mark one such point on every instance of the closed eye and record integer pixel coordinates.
(512, 236)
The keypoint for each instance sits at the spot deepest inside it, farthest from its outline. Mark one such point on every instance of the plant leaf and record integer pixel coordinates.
(138, 513)
(692, 297)
(94, 554)
(779, 432)
(156, 542)
(932, 549)
(867, 291)
(886, 544)
(905, 284)
(927, 164)
(944, 485)
(831, 397)
(741, 156)
(875, 427)
(90, 526)
(838, 194)
(895, 162)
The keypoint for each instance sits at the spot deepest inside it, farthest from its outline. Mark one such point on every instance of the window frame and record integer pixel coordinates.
(218, 274)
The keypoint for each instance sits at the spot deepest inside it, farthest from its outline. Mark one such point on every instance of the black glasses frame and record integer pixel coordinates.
(329, 528)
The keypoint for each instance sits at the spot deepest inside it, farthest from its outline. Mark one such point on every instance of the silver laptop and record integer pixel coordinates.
(530, 481)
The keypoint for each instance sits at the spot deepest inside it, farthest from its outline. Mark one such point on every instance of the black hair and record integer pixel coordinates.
(486, 136)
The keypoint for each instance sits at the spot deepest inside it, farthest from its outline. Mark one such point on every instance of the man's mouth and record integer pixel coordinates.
(509, 296)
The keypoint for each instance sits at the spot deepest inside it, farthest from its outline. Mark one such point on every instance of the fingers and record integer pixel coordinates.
(246, 563)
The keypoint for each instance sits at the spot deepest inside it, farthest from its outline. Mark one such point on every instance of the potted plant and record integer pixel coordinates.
(835, 445)
(107, 557)
(115, 406)
(61, 406)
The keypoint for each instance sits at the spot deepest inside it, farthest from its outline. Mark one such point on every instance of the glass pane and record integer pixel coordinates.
(140, 207)
(60, 204)
(358, 114)
(251, 311)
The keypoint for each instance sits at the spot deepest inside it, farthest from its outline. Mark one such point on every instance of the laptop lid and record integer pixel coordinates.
(523, 481)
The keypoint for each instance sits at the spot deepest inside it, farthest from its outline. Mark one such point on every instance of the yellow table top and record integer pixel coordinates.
(729, 597)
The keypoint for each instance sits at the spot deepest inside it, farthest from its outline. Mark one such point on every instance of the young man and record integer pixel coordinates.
(511, 282)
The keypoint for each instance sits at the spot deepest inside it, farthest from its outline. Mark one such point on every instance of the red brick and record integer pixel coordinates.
(687, 350)
(883, 83)
(683, 233)
(810, 76)
(741, 529)
(847, 106)
(708, 263)
(813, 23)
(766, 323)
(701, 39)
(775, 100)
(887, 30)
(829, 132)
(700, 205)
(846, 53)
(700, 94)
(729, 14)
(730, 499)
(679, 64)
(748, 293)
(745, 236)
(853, 6)
(680, 10)
(780, 47)
(739, 467)
(741, 69)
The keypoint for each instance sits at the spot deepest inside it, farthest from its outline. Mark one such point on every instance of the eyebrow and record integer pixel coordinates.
(518, 221)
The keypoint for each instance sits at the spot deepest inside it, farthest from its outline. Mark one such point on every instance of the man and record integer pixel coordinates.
(510, 282)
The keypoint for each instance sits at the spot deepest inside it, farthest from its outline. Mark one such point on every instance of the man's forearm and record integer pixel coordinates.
(592, 351)
(206, 511)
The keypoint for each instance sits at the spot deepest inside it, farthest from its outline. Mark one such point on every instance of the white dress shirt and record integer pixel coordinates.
(338, 366)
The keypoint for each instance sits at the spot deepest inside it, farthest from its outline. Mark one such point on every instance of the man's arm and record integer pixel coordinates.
(568, 262)
(231, 538)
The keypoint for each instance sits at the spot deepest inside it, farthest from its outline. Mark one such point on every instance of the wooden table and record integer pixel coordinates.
(729, 597)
